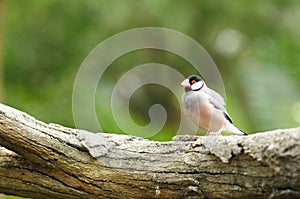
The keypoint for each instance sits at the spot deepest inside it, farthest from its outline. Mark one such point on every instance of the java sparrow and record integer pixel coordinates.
(206, 108)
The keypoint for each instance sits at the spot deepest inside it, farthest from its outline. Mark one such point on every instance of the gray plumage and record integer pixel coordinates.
(206, 108)
(217, 101)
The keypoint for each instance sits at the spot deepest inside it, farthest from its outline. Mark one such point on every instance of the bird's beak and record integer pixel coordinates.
(186, 83)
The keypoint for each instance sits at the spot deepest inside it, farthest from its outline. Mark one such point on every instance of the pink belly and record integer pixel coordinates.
(207, 118)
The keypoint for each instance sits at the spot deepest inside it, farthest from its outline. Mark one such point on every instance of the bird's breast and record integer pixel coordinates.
(202, 113)
(192, 100)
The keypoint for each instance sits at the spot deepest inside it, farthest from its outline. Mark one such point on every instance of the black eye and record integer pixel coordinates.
(193, 81)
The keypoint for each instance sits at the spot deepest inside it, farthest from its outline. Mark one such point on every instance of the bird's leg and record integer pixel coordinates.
(212, 139)
(217, 133)
(214, 133)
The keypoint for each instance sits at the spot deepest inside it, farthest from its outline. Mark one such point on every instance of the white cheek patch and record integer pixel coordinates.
(197, 85)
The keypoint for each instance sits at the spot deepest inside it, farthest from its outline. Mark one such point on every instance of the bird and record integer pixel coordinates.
(206, 108)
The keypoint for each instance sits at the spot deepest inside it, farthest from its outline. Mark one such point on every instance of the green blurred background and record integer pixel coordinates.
(255, 44)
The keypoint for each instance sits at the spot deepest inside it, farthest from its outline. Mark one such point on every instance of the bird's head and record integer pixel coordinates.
(193, 83)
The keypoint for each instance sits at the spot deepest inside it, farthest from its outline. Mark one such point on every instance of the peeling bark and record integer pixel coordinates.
(51, 161)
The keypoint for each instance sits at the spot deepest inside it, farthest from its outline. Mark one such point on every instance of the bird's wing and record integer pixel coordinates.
(218, 102)
(215, 98)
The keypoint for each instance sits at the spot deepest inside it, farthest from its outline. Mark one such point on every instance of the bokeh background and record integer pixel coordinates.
(255, 44)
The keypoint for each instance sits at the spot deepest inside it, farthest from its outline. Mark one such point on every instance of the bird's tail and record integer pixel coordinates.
(230, 128)
(243, 132)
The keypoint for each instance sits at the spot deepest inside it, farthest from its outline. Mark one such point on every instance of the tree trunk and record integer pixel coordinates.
(51, 161)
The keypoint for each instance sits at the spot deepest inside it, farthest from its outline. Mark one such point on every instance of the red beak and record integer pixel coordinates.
(186, 83)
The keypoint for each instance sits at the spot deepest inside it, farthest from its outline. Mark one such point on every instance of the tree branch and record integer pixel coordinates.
(51, 161)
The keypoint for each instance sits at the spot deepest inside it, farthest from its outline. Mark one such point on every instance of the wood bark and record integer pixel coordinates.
(51, 161)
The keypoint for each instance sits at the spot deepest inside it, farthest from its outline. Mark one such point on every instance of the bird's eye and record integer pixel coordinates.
(193, 81)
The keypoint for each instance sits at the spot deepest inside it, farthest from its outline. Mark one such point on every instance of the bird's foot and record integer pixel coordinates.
(214, 134)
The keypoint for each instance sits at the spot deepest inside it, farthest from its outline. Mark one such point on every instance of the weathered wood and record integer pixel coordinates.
(51, 161)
